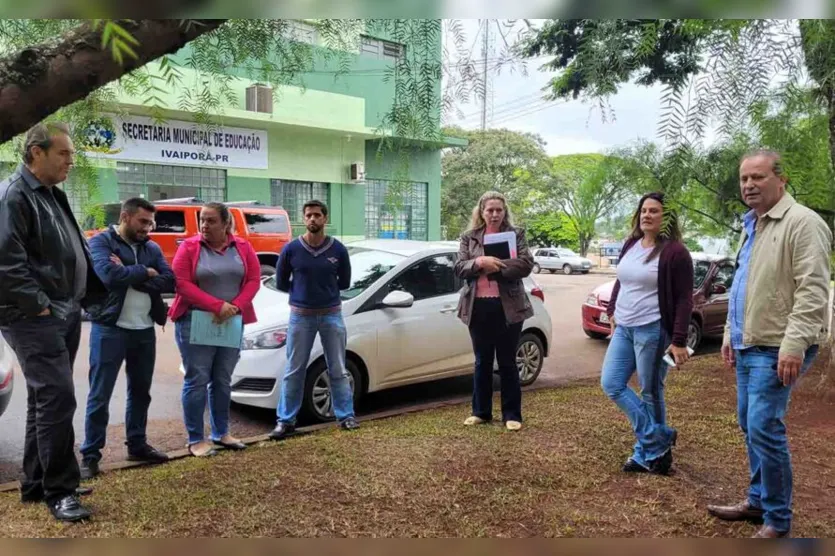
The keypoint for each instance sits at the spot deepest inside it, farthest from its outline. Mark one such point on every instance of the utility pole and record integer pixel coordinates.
(486, 23)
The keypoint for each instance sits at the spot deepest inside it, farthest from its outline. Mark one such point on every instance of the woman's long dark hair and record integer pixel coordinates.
(669, 225)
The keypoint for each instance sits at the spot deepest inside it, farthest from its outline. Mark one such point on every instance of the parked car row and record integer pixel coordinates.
(401, 314)
(713, 276)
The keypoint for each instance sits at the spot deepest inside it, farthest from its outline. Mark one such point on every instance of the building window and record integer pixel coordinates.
(378, 48)
(292, 195)
(404, 219)
(157, 182)
(78, 196)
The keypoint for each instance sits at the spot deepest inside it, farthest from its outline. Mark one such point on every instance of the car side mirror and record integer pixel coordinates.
(399, 299)
(718, 289)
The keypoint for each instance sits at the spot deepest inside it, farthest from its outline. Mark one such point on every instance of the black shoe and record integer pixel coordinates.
(69, 509)
(349, 424)
(89, 469)
(281, 430)
(662, 465)
(632, 466)
(147, 453)
(32, 498)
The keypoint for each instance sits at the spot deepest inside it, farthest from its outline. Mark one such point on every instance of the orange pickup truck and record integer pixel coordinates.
(266, 228)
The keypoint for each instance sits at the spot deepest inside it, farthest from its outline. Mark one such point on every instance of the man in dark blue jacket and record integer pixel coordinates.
(136, 275)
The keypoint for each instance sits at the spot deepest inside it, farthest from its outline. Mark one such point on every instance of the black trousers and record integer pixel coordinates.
(494, 339)
(46, 349)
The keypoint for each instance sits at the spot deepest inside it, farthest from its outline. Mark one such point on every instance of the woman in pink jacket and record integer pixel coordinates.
(218, 273)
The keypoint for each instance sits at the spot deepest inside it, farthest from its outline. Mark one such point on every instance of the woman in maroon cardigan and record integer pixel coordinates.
(649, 311)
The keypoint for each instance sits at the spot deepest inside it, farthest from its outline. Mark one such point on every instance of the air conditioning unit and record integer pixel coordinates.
(358, 172)
(259, 98)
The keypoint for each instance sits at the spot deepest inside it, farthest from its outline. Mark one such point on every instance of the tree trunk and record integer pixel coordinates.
(40, 79)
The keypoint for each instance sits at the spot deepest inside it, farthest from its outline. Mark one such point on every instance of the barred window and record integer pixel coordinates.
(157, 182)
(405, 219)
(292, 195)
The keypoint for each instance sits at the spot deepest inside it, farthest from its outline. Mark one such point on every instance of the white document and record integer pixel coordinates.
(503, 237)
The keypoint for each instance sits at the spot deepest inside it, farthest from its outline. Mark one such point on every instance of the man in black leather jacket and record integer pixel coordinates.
(45, 278)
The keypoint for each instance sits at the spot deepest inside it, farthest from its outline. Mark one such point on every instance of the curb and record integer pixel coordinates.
(301, 431)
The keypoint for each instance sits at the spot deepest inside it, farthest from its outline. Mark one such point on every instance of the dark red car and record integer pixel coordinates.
(713, 276)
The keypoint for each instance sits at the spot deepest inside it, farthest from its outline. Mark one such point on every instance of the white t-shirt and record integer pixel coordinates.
(136, 311)
(637, 302)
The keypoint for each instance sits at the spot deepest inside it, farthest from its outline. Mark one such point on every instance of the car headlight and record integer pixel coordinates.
(592, 300)
(272, 338)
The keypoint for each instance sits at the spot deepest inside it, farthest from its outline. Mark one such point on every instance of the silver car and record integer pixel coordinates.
(555, 259)
(6, 374)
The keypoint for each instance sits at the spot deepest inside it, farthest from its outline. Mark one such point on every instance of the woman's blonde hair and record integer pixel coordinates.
(477, 220)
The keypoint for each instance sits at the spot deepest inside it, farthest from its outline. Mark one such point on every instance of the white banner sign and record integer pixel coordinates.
(175, 142)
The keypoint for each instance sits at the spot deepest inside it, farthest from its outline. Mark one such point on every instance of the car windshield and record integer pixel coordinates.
(700, 270)
(566, 253)
(367, 266)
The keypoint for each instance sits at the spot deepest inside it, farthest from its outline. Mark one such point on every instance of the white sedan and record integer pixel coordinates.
(400, 313)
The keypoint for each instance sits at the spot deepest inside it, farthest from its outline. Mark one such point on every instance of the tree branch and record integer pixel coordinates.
(712, 218)
(40, 79)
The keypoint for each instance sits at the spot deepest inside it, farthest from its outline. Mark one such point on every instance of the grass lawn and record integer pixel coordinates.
(426, 475)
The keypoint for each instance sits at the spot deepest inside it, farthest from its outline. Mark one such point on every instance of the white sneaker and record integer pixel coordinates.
(513, 425)
(473, 420)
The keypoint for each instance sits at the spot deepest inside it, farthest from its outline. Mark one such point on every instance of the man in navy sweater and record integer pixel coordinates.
(313, 268)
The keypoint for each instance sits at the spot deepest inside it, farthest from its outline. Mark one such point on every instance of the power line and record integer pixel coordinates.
(506, 105)
(547, 105)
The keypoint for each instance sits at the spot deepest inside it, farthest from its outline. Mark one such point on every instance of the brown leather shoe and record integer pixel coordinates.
(739, 512)
(769, 532)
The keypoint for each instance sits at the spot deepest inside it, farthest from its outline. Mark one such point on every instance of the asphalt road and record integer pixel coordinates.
(572, 356)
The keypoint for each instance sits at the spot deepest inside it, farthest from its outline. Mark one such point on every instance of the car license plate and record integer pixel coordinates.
(604, 318)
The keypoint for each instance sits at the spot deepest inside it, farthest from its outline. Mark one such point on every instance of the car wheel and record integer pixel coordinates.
(317, 404)
(530, 354)
(566, 269)
(267, 270)
(694, 335)
(536, 268)
(595, 335)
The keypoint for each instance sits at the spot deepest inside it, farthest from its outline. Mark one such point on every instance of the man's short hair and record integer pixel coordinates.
(132, 205)
(775, 157)
(40, 135)
(315, 203)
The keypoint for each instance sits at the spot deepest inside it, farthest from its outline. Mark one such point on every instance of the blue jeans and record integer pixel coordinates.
(208, 371)
(641, 348)
(110, 346)
(762, 401)
(300, 336)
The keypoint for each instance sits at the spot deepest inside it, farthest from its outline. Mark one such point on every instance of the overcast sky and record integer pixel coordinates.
(566, 126)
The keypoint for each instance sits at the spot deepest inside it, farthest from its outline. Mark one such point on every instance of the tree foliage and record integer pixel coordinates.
(552, 230)
(490, 161)
(583, 187)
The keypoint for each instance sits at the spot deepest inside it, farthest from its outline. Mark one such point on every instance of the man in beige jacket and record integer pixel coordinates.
(777, 318)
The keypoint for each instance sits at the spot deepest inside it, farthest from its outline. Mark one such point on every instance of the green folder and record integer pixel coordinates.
(205, 332)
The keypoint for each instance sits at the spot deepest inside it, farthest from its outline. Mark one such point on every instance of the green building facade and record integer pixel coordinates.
(310, 143)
